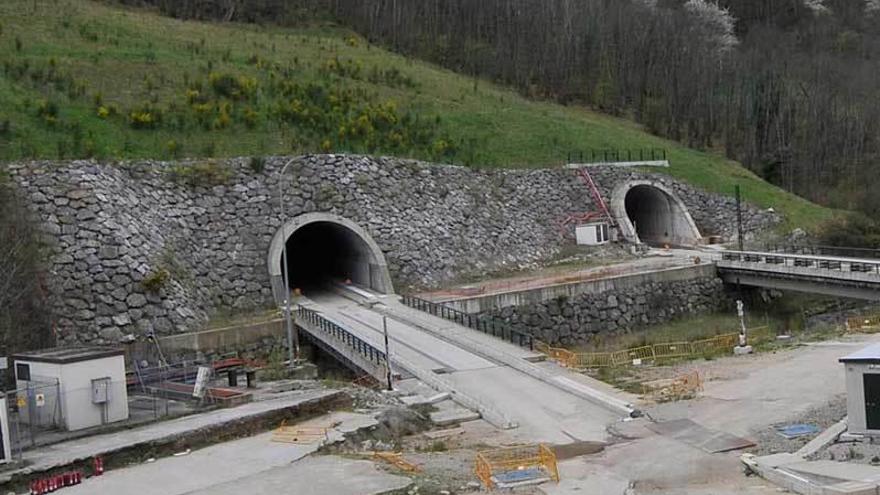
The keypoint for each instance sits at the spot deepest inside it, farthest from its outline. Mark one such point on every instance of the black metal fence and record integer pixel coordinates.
(487, 325)
(351, 340)
(818, 250)
(616, 155)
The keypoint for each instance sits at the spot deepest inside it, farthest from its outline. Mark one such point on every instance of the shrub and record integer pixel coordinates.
(173, 148)
(250, 117)
(229, 86)
(48, 111)
(145, 116)
(156, 280)
(257, 164)
(274, 369)
(854, 230)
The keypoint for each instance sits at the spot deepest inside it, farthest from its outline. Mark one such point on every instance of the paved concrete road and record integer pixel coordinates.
(742, 395)
(315, 475)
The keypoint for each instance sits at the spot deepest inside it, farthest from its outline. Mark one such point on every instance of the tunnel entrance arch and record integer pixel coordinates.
(323, 248)
(649, 212)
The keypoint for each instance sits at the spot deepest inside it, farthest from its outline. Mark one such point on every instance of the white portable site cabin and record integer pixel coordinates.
(863, 390)
(5, 439)
(71, 388)
(592, 234)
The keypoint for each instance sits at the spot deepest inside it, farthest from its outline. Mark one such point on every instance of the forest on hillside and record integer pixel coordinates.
(787, 87)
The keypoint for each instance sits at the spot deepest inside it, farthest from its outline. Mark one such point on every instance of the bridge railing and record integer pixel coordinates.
(487, 325)
(819, 250)
(803, 261)
(611, 155)
(341, 335)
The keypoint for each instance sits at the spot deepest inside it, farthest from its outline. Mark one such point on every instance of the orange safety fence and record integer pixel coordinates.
(583, 360)
(863, 323)
(634, 356)
(671, 350)
(651, 353)
(491, 462)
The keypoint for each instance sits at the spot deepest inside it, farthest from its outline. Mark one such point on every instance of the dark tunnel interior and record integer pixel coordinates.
(324, 252)
(652, 214)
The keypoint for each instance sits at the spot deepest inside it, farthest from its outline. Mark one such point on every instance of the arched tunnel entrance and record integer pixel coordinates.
(323, 249)
(648, 212)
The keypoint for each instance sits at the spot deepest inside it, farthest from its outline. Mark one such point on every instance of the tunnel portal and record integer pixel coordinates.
(323, 249)
(651, 214)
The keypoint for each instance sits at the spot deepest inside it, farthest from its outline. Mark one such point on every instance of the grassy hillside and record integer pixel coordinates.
(81, 78)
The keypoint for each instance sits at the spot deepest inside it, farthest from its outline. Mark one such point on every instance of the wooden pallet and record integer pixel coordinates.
(298, 434)
(396, 460)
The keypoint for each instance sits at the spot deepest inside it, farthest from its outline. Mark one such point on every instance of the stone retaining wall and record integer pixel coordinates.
(114, 226)
(623, 305)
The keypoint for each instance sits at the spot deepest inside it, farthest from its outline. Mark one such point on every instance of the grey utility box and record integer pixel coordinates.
(71, 388)
(863, 390)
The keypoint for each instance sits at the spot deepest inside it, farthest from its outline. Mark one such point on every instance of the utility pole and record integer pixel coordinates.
(387, 353)
(739, 218)
(292, 334)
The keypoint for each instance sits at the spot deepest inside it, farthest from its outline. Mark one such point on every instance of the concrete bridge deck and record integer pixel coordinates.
(481, 373)
(830, 275)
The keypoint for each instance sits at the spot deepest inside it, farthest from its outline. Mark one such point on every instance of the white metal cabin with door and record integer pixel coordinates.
(863, 390)
(592, 234)
(71, 388)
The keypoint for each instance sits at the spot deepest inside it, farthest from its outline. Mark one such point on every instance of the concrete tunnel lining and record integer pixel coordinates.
(323, 244)
(647, 211)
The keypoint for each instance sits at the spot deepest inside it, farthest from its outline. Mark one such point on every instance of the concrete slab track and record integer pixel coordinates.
(477, 366)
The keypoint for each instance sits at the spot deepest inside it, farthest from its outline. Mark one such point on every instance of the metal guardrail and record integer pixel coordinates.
(352, 341)
(803, 261)
(616, 155)
(487, 325)
(819, 250)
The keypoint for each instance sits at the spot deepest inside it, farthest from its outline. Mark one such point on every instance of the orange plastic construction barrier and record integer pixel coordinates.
(651, 353)
(538, 460)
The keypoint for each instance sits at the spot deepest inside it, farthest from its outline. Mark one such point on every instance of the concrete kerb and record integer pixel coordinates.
(395, 309)
(489, 413)
(164, 438)
(830, 435)
(782, 469)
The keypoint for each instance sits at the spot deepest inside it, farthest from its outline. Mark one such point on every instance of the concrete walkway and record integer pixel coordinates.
(251, 465)
(66, 453)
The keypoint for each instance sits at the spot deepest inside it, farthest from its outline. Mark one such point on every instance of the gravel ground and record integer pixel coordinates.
(771, 442)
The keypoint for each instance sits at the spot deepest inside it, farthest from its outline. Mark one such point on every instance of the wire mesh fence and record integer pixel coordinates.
(45, 411)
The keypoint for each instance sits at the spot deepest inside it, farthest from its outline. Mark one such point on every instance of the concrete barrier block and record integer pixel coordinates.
(851, 488)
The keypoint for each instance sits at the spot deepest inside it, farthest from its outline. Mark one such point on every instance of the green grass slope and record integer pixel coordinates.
(81, 79)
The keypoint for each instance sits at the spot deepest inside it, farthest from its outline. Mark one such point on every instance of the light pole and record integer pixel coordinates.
(292, 335)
